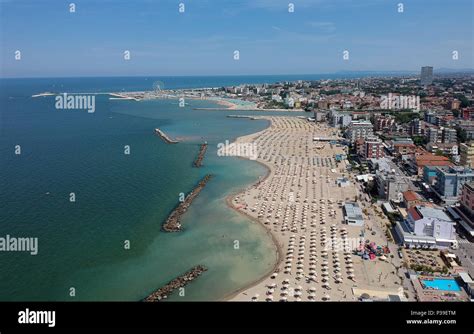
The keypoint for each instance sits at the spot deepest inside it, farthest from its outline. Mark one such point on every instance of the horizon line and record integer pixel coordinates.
(448, 70)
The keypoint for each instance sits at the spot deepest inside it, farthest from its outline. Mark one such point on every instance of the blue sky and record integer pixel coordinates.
(201, 41)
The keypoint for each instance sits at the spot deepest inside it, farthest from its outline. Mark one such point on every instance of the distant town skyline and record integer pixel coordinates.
(93, 40)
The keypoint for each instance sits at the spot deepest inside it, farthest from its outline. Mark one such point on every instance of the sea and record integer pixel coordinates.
(95, 188)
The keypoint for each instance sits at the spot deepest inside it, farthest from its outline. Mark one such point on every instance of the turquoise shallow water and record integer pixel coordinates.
(121, 197)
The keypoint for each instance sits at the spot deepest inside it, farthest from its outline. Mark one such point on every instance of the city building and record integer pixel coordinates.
(449, 136)
(433, 135)
(466, 209)
(353, 214)
(370, 148)
(411, 198)
(455, 104)
(467, 113)
(449, 181)
(429, 159)
(359, 129)
(430, 117)
(404, 148)
(429, 175)
(426, 227)
(319, 116)
(390, 180)
(451, 149)
(383, 122)
(467, 154)
(339, 120)
(415, 127)
(426, 76)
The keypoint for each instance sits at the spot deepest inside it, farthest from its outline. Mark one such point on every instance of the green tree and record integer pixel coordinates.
(462, 135)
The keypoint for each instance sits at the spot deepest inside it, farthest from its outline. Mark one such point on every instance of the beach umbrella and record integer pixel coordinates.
(269, 299)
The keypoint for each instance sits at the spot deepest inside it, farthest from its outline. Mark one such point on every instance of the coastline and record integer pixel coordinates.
(299, 201)
(279, 248)
(229, 202)
(221, 101)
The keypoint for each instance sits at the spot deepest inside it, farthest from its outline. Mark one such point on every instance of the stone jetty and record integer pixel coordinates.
(202, 150)
(179, 282)
(173, 222)
(240, 116)
(165, 137)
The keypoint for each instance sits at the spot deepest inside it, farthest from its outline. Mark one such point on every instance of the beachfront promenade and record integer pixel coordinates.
(300, 204)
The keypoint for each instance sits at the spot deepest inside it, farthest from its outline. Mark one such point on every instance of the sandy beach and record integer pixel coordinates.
(300, 204)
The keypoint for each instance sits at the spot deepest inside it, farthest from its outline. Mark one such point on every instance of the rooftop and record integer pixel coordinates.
(411, 195)
(353, 211)
(455, 170)
(421, 211)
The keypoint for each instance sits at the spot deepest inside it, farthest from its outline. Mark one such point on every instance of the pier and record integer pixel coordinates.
(173, 222)
(179, 282)
(241, 116)
(165, 137)
(202, 151)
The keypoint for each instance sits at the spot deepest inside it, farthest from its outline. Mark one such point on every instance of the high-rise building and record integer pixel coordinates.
(466, 209)
(415, 127)
(449, 181)
(359, 129)
(433, 135)
(370, 148)
(449, 135)
(467, 154)
(426, 77)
